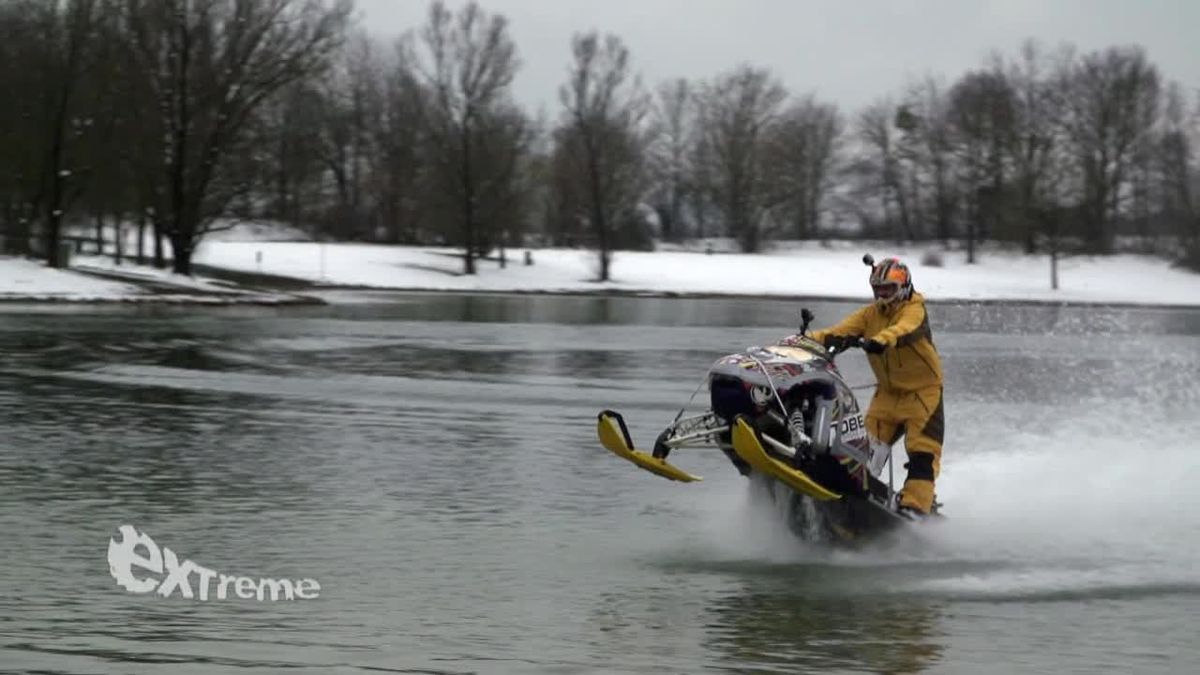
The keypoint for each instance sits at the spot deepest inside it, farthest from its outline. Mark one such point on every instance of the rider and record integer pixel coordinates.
(908, 399)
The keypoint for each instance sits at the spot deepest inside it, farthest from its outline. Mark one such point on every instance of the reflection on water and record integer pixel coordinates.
(782, 629)
(963, 317)
(432, 462)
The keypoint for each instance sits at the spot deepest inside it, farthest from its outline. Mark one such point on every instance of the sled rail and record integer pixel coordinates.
(614, 436)
(747, 445)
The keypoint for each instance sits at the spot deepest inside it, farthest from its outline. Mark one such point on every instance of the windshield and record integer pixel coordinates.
(806, 343)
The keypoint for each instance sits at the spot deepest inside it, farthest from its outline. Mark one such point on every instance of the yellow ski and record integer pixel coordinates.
(750, 449)
(615, 437)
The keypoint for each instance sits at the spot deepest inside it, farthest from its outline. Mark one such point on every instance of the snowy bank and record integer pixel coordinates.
(96, 279)
(805, 270)
(235, 265)
(23, 279)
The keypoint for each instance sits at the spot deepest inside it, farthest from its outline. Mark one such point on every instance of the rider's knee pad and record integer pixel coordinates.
(920, 466)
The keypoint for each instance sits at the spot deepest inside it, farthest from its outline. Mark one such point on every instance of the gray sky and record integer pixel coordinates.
(847, 51)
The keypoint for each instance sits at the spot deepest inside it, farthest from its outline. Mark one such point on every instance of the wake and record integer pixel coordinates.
(1091, 507)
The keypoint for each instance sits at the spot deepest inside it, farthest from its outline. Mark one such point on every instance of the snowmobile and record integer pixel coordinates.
(785, 413)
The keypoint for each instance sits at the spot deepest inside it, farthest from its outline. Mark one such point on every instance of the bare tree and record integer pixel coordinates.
(358, 96)
(671, 153)
(342, 134)
(981, 111)
(803, 151)
(927, 145)
(48, 52)
(70, 39)
(21, 155)
(1176, 156)
(399, 173)
(1111, 103)
(909, 163)
(736, 113)
(101, 134)
(604, 110)
(468, 63)
(564, 201)
(1035, 140)
(876, 169)
(363, 125)
(703, 176)
(204, 67)
(288, 153)
(504, 139)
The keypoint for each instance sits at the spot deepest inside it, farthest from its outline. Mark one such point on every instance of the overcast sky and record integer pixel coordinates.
(847, 51)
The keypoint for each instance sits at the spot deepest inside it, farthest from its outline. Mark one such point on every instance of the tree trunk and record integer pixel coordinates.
(674, 221)
(54, 206)
(99, 233)
(747, 230)
(181, 249)
(599, 219)
(1052, 228)
(180, 235)
(141, 237)
(468, 206)
(1027, 212)
(943, 205)
(16, 240)
(56, 174)
(971, 241)
(158, 243)
(905, 218)
(1053, 265)
(120, 251)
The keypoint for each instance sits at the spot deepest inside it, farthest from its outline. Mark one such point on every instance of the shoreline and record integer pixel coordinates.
(689, 295)
(196, 300)
(220, 286)
(275, 299)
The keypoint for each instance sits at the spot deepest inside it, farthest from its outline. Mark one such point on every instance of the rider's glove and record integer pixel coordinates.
(873, 346)
(837, 342)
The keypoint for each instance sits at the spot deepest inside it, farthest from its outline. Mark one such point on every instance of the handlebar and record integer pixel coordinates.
(848, 342)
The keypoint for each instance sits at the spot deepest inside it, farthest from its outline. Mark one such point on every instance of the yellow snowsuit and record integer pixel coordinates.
(908, 398)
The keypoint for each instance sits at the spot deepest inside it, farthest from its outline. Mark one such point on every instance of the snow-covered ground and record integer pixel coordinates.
(95, 279)
(32, 280)
(834, 271)
(829, 270)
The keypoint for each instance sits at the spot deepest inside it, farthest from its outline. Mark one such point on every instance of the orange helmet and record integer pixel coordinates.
(890, 281)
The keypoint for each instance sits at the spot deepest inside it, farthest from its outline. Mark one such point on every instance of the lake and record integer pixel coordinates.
(431, 461)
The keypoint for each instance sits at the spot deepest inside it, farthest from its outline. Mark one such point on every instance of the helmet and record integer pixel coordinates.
(891, 282)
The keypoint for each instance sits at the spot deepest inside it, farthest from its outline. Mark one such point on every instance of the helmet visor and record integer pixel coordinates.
(885, 291)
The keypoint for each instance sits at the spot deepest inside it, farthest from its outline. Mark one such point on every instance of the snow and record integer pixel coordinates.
(791, 269)
(32, 280)
(147, 273)
(97, 279)
(812, 270)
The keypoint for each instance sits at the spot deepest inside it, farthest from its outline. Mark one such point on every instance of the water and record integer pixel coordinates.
(431, 461)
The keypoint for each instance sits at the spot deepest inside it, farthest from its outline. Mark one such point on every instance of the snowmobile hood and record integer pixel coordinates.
(782, 365)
